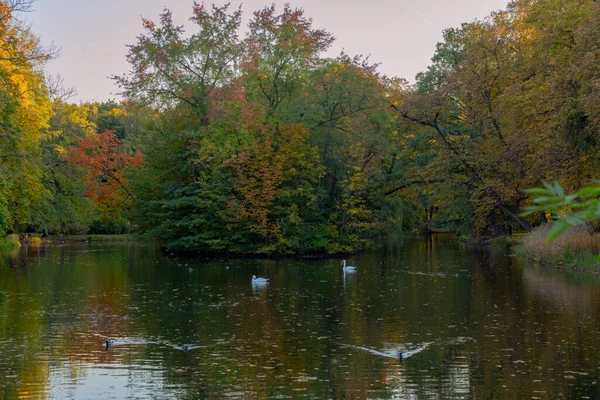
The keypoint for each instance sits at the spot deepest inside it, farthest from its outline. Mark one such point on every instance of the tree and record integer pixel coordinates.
(345, 105)
(62, 208)
(106, 179)
(273, 182)
(170, 68)
(503, 107)
(280, 50)
(282, 151)
(24, 110)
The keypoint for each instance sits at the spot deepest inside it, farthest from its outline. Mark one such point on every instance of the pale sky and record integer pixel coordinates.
(93, 34)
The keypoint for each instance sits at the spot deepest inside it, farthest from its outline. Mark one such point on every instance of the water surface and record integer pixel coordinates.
(468, 323)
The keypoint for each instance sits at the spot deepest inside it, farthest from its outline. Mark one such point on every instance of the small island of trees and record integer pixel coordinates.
(251, 141)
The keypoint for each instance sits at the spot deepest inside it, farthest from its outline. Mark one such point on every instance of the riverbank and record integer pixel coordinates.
(9, 242)
(94, 238)
(575, 250)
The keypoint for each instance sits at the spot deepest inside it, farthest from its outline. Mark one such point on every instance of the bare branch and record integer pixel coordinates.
(20, 5)
(57, 89)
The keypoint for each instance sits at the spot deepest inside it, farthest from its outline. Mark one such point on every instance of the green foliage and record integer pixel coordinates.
(568, 210)
(507, 102)
(24, 112)
(262, 145)
(62, 207)
(110, 227)
(9, 242)
(291, 156)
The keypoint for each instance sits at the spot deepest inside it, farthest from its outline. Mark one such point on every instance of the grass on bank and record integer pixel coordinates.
(9, 242)
(577, 249)
(96, 238)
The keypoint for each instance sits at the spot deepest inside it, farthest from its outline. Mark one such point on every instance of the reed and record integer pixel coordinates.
(575, 247)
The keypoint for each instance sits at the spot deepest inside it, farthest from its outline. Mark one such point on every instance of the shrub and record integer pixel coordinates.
(114, 227)
(577, 240)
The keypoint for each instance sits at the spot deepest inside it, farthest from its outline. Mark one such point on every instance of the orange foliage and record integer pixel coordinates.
(259, 174)
(266, 175)
(106, 166)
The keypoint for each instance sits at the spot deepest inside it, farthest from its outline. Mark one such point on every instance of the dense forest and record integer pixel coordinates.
(249, 140)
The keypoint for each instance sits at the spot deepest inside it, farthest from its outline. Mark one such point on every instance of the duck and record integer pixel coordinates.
(259, 280)
(109, 343)
(347, 268)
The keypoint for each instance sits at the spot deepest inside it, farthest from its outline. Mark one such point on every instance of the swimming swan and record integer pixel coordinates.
(348, 268)
(259, 281)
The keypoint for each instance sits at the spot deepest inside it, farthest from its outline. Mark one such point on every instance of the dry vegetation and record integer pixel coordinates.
(576, 246)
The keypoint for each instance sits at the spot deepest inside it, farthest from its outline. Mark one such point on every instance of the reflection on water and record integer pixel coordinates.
(119, 321)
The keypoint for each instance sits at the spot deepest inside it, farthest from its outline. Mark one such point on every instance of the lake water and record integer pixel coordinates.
(470, 324)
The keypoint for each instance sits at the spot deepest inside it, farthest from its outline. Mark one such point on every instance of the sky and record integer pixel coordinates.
(93, 35)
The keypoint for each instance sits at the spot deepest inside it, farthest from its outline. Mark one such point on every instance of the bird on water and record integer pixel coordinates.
(348, 268)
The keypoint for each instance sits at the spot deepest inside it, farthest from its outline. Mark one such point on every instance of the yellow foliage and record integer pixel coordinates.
(117, 112)
(25, 102)
(61, 150)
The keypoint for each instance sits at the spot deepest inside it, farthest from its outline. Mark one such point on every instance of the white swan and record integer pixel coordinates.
(259, 281)
(348, 268)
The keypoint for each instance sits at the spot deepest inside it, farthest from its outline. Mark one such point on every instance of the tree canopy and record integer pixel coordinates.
(258, 143)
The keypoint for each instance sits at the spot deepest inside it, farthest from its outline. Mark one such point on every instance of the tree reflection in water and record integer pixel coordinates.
(497, 329)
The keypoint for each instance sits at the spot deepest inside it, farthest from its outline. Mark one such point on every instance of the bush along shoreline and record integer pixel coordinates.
(574, 250)
(9, 242)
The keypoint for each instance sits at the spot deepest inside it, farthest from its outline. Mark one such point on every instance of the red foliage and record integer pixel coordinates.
(106, 165)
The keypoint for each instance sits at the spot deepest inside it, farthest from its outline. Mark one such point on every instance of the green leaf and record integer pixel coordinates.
(546, 199)
(570, 198)
(559, 190)
(558, 228)
(590, 191)
(548, 186)
(592, 203)
(539, 192)
(574, 219)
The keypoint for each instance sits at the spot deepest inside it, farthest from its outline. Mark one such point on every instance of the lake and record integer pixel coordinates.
(469, 324)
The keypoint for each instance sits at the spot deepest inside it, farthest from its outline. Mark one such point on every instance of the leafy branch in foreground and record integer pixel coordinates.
(568, 210)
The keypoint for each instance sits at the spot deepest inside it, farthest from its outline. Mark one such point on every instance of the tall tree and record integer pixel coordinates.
(280, 50)
(170, 68)
(24, 110)
(63, 209)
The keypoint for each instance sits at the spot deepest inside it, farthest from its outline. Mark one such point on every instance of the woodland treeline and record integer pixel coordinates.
(250, 140)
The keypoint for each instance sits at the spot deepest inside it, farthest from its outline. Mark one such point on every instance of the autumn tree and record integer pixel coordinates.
(345, 105)
(273, 183)
(280, 50)
(461, 100)
(503, 105)
(62, 208)
(170, 67)
(282, 151)
(24, 110)
(106, 167)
